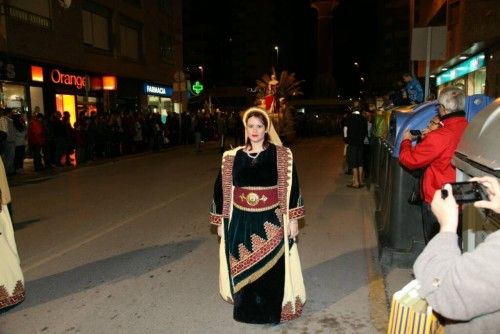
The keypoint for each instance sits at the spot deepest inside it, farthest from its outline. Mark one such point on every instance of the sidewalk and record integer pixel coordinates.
(31, 176)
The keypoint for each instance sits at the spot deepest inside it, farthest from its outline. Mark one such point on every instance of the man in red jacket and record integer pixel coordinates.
(435, 151)
(36, 140)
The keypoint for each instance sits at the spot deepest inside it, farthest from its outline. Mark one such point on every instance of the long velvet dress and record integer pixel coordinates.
(255, 239)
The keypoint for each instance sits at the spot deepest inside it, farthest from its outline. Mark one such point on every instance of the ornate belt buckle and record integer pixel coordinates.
(252, 199)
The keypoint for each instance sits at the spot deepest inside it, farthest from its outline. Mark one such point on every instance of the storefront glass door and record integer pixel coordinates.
(67, 103)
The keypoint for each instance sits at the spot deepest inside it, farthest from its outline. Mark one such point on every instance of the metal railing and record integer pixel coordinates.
(25, 16)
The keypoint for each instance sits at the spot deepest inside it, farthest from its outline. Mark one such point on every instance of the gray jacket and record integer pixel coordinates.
(463, 287)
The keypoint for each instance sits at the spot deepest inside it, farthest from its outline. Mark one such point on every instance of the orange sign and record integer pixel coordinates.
(59, 77)
(37, 73)
(109, 82)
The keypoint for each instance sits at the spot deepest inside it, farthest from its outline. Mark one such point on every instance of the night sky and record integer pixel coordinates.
(234, 40)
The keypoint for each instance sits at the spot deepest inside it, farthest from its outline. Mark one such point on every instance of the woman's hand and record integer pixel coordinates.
(493, 191)
(293, 229)
(219, 230)
(445, 210)
(408, 135)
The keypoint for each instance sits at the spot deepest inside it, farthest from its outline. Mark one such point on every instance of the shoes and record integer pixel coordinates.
(356, 187)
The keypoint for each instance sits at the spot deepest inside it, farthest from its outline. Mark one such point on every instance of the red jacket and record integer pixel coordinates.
(36, 133)
(434, 153)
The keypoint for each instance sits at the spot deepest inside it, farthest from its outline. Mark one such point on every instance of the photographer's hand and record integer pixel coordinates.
(445, 210)
(493, 190)
(407, 135)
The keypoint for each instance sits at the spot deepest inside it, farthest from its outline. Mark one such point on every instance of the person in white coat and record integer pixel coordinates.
(11, 277)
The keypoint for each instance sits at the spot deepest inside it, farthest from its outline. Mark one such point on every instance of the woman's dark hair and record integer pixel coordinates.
(263, 119)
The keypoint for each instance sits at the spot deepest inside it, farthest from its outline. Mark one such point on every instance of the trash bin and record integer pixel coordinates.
(476, 103)
(379, 131)
(380, 154)
(399, 222)
(478, 154)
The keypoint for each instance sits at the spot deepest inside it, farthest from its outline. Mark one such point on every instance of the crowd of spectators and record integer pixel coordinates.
(52, 141)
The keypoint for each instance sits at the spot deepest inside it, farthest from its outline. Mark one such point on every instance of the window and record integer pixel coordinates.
(136, 3)
(166, 48)
(165, 6)
(96, 26)
(32, 12)
(130, 41)
(40, 7)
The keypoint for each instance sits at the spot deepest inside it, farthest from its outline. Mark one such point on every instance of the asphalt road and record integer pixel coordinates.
(125, 247)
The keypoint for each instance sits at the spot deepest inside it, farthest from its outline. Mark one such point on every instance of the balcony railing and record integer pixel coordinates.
(25, 16)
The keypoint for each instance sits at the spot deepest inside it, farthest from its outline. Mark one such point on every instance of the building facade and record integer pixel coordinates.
(391, 57)
(89, 56)
(473, 43)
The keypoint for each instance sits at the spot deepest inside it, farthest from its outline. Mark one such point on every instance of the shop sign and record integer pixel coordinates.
(157, 90)
(7, 70)
(109, 82)
(197, 87)
(466, 67)
(59, 77)
(12, 69)
(37, 73)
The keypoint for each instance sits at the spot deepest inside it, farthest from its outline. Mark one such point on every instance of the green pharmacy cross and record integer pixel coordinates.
(197, 87)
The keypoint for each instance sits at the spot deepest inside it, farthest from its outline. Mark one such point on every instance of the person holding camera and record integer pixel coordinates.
(435, 151)
(463, 288)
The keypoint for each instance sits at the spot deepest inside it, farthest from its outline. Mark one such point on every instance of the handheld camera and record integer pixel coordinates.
(466, 192)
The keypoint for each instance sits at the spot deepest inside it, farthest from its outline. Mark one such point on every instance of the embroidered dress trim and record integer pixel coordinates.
(260, 249)
(288, 313)
(297, 213)
(216, 219)
(17, 296)
(256, 275)
(227, 184)
(283, 160)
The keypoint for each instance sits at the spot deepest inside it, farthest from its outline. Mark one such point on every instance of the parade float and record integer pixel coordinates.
(273, 95)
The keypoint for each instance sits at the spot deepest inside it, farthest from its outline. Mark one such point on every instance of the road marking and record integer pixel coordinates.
(113, 227)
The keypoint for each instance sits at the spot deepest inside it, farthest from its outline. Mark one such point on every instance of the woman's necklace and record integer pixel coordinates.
(254, 158)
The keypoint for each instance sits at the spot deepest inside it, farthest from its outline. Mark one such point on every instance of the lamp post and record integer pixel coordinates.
(202, 73)
(277, 49)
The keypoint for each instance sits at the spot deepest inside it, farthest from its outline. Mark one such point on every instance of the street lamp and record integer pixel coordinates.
(356, 64)
(201, 71)
(277, 49)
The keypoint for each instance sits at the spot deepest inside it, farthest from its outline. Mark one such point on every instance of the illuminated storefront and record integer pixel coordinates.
(65, 90)
(469, 74)
(48, 88)
(13, 88)
(159, 99)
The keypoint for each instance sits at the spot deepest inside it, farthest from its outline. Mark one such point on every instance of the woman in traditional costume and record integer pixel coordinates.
(256, 205)
(11, 276)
